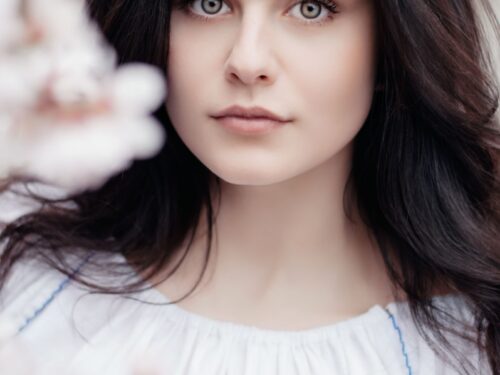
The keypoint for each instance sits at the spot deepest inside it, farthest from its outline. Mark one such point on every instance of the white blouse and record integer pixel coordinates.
(70, 331)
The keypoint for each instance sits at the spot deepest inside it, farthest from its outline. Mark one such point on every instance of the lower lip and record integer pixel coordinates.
(249, 126)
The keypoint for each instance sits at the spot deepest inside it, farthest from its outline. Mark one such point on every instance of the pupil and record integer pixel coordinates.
(310, 7)
(212, 7)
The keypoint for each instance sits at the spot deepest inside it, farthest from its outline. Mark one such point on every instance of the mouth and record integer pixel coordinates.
(257, 113)
(252, 120)
(249, 126)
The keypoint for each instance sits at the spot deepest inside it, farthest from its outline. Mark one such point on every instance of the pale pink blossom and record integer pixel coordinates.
(68, 115)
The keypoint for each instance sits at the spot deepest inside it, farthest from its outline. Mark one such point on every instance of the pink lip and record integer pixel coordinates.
(250, 113)
(254, 120)
(249, 125)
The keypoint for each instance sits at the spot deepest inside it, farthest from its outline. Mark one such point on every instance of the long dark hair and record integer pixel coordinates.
(425, 170)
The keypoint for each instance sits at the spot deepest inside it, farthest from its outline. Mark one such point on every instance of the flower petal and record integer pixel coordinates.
(138, 88)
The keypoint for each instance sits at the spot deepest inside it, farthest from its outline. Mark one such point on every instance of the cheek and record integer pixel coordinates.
(179, 61)
(337, 84)
(184, 76)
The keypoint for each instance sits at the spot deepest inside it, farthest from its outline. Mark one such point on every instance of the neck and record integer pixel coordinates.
(286, 242)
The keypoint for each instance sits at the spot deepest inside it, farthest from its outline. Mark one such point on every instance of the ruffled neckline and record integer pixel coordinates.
(154, 302)
(375, 314)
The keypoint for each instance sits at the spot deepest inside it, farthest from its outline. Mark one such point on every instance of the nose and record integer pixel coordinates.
(250, 61)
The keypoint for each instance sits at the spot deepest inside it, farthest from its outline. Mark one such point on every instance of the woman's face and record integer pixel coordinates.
(301, 61)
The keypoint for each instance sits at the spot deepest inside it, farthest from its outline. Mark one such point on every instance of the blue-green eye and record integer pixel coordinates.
(311, 11)
(207, 7)
(314, 10)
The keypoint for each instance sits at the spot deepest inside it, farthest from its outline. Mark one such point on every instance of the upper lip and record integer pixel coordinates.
(250, 113)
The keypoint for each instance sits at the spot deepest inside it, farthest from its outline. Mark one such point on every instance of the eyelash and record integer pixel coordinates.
(330, 6)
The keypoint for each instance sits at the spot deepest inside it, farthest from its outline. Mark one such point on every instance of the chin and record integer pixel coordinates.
(250, 175)
(248, 178)
(255, 175)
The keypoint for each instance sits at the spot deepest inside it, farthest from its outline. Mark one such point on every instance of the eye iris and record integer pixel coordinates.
(310, 9)
(211, 6)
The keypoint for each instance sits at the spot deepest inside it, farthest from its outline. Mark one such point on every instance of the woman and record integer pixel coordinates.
(352, 230)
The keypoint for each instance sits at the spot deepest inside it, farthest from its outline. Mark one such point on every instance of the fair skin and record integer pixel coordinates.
(283, 245)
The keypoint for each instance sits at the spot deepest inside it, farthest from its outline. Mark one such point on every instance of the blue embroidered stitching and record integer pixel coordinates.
(67, 280)
(51, 298)
(401, 342)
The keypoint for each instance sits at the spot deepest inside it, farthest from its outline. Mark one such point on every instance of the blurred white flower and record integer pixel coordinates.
(68, 115)
(34, 35)
(82, 146)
